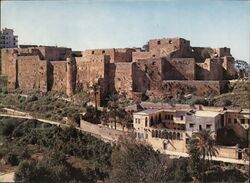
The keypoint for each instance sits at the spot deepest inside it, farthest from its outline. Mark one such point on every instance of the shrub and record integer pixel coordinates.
(8, 129)
(11, 159)
(32, 98)
(25, 171)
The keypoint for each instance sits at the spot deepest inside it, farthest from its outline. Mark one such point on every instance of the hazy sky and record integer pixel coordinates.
(107, 24)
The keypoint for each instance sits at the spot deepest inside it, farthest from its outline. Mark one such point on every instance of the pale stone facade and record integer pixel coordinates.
(169, 128)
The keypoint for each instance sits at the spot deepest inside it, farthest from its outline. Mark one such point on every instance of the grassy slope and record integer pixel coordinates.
(48, 106)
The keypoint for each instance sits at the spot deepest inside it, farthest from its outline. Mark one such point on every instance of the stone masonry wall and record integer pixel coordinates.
(124, 78)
(228, 66)
(141, 55)
(148, 74)
(164, 47)
(180, 69)
(199, 88)
(59, 80)
(88, 71)
(211, 69)
(116, 55)
(32, 73)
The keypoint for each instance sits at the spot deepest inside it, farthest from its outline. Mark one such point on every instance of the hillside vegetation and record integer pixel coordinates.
(45, 106)
(45, 153)
(238, 95)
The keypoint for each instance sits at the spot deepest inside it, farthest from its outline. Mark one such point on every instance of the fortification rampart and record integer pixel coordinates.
(180, 69)
(164, 66)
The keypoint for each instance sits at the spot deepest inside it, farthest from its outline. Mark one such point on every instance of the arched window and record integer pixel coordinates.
(153, 133)
(164, 145)
(170, 135)
(156, 134)
(159, 117)
(160, 134)
(178, 136)
(146, 122)
(151, 120)
(174, 135)
(166, 135)
(156, 120)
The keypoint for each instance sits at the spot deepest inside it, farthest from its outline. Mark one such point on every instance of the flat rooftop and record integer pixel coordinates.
(206, 113)
(149, 111)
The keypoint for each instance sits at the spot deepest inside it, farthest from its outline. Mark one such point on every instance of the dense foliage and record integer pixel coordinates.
(46, 153)
(57, 146)
(47, 106)
(136, 162)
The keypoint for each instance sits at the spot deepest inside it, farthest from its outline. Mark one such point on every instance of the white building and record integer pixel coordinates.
(169, 128)
(8, 39)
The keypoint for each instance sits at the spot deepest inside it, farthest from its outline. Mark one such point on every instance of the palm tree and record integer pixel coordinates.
(113, 106)
(95, 87)
(206, 146)
(105, 117)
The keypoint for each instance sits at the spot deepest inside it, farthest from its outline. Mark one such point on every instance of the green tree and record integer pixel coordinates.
(194, 160)
(95, 88)
(206, 146)
(137, 162)
(114, 106)
(181, 171)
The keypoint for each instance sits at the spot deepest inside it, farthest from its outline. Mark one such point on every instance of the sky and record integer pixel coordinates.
(92, 24)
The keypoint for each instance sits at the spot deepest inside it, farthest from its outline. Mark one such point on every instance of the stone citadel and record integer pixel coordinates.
(163, 67)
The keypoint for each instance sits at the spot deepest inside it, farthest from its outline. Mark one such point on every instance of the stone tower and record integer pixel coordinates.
(70, 76)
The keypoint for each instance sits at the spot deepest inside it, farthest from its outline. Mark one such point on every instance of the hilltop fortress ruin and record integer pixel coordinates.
(163, 67)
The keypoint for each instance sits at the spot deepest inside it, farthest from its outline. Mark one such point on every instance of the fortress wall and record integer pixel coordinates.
(148, 74)
(164, 47)
(198, 88)
(180, 69)
(198, 53)
(54, 53)
(90, 70)
(98, 53)
(141, 55)
(59, 80)
(124, 78)
(111, 77)
(12, 73)
(123, 55)
(32, 73)
(222, 52)
(5, 60)
(116, 55)
(216, 70)
(211, 69)
(228, 66)
(140, 79)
